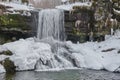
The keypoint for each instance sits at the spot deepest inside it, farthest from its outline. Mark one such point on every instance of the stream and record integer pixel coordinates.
(62, 75)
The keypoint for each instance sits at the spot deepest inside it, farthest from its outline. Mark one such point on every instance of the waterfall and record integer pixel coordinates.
(51, 24)
(51, 31)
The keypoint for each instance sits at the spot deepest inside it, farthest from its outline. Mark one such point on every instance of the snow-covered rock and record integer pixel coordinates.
(25, 52)
(64, 1)
(15, 6)
(70, 6)
(2, 70)
(85, 57)
(29, 54)
(117, 11)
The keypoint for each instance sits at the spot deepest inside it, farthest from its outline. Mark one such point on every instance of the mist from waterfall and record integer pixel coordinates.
(51, 24)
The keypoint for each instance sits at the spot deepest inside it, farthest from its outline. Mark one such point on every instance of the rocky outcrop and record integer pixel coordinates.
(16, 26)
(78, 24)
(9, 66)
(91, 23)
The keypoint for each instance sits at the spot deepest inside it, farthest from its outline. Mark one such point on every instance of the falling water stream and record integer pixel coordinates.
(51, 30)
(51, 24)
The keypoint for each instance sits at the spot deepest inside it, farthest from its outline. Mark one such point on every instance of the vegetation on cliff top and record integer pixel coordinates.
(13, 21)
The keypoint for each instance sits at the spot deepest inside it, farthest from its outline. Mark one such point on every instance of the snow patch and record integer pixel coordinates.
(2, 70)
(70, 6)
(15, 6)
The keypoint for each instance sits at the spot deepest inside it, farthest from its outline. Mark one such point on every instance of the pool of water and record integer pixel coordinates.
(62, 75)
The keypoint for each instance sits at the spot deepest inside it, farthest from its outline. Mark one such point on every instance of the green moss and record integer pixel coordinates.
(6, 53)
(9, 66)
(115, 1)
(9, 76)
(24, 1)
(13, 21)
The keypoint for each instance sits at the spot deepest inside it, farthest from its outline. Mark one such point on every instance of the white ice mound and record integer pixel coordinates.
(2, 70)
(29, 54)
(26, 52)
(85, 57)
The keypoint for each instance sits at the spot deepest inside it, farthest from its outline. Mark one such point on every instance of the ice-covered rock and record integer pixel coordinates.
(29, 54)
(70, 6)
(2, 70)
(25, 52)
(85, 57)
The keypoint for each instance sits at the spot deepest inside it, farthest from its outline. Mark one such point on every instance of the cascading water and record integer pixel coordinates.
(51, 24)
(51, 31)
(57, 54)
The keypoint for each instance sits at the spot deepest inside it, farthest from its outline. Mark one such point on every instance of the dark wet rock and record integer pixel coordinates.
(9, 66)
(9, 53)
(119, 52)
(16, 26)
(108, 50)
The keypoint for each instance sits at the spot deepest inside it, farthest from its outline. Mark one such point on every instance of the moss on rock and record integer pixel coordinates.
(9, 53)
(9, 66)
(15, 26)
(13, 21)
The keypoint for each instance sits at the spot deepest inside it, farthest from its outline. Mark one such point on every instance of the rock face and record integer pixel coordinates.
(78, 24)
(9, 66)
(16, 26)
(93, 23)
